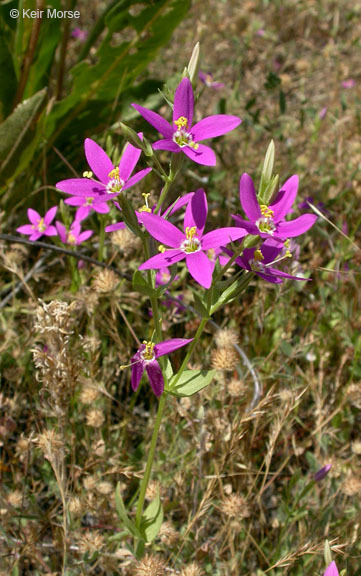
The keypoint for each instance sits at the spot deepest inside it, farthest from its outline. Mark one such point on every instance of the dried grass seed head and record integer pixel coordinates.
(235, 506)
(150, 565)
(95, 418)
(51, 444)
(192, 570)
(225, 359)
(105, 281)
(225, 338)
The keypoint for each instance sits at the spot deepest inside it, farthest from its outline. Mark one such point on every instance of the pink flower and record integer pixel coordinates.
(181, 136)
(39, 226)
(74, 235)
(207, 80)
(350, 83)
(146, 359)
(80, 34)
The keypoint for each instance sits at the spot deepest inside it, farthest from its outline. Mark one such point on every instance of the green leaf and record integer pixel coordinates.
(191, 381)
(140, 284)
(19, 135)
(8, 87)
(152, 519)
(199, 306)
(121, 511)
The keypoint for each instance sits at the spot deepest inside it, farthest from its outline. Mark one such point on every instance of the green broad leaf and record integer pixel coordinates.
(200, 307)
(129, 215)
(7, 70)
(140, 284)
(121, 511)
(19, 135)
(152, 519)
(191, 382)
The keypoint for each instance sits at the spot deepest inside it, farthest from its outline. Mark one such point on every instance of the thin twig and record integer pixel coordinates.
(23, 281)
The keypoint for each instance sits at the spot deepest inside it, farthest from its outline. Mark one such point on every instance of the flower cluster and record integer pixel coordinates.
(255, 243)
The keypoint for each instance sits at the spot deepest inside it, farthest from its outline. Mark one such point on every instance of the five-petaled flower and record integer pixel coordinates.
(331, 570)
(38, 225)
(74, 235)
(261, 261)
(181, 136)
(191, 244)
(112, 180)
(269, 221)
(146, 359)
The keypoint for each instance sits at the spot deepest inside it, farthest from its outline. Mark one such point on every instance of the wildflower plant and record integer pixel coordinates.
(218, 263)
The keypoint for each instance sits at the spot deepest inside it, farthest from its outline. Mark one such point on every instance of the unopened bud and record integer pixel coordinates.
(131, 136)
(268, 164)
(193, 66)
(327, 553)
(271, 190)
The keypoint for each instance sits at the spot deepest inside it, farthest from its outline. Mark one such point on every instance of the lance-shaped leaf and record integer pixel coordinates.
(191, 382)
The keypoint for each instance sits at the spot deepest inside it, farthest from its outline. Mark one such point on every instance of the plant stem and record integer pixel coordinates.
(101, 238)
(190, 351)
(148, 468)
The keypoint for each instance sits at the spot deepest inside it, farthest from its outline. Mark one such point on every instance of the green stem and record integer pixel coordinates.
(101, 238)
(163, 194)
(148, 468)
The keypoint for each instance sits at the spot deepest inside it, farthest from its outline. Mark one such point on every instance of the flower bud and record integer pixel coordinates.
(327, 553)
(268, 164)
(131, 136)
(193, 65)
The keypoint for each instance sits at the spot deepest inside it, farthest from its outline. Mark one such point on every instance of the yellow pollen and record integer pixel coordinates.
(71, 238)
(145, 207)
(258, 256)
(190, 233)
(41, 225)
(265, 211)
(148, 353)
(87, 174)
(182, 122)
(161, 248)
(114, 174)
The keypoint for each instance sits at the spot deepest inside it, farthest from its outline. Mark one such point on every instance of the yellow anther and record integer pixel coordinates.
(194, 145)
(265, 211)
(87, 174)
(148, 353)
(182, 122)
(146, 195)
(41, 225)
(145, 207)
(89, 201)
(190, 233)
(288, 254)
(258, 256)
(161, 248)
(114, 174)
(71, 238)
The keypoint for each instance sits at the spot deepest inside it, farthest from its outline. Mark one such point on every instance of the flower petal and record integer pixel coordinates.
(136, 178)
(196, 212)
(82, 213)
(101, 207)
(285, 198)
(137, 370)
(98, 160)
(76, 201)
(296, 227)
(163, 231)
(168, 346)
(331, 570)
(155, 120)
(200, 268)
(50, 215)
(246, 224)
(61, 231)
(155, 377)
(221, 237)
(26, 229)
(214, 126)
(115, 227)
(165, 259)
(50, 231)
(203, 155)
(282, 274)
(34, 216)
(84, 236)
(166, 144)
(178, 204)
(183, 103)
(128, 161)
(80, 187)
(35, 236)
(248, 198)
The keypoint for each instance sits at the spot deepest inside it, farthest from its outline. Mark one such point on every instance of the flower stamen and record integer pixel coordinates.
(148, 353)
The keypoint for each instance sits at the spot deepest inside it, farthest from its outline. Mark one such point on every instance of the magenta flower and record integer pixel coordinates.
(112, 181)
(74, 235)
(261, 260)
(350, 83)
(80, 34)
(181, 136)
(146, 359)
(86, 205)
(322, 473)
(39, 226)
(207, 79)
(331, 570)
(322, 113)
(191, 244)
(269, 221)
